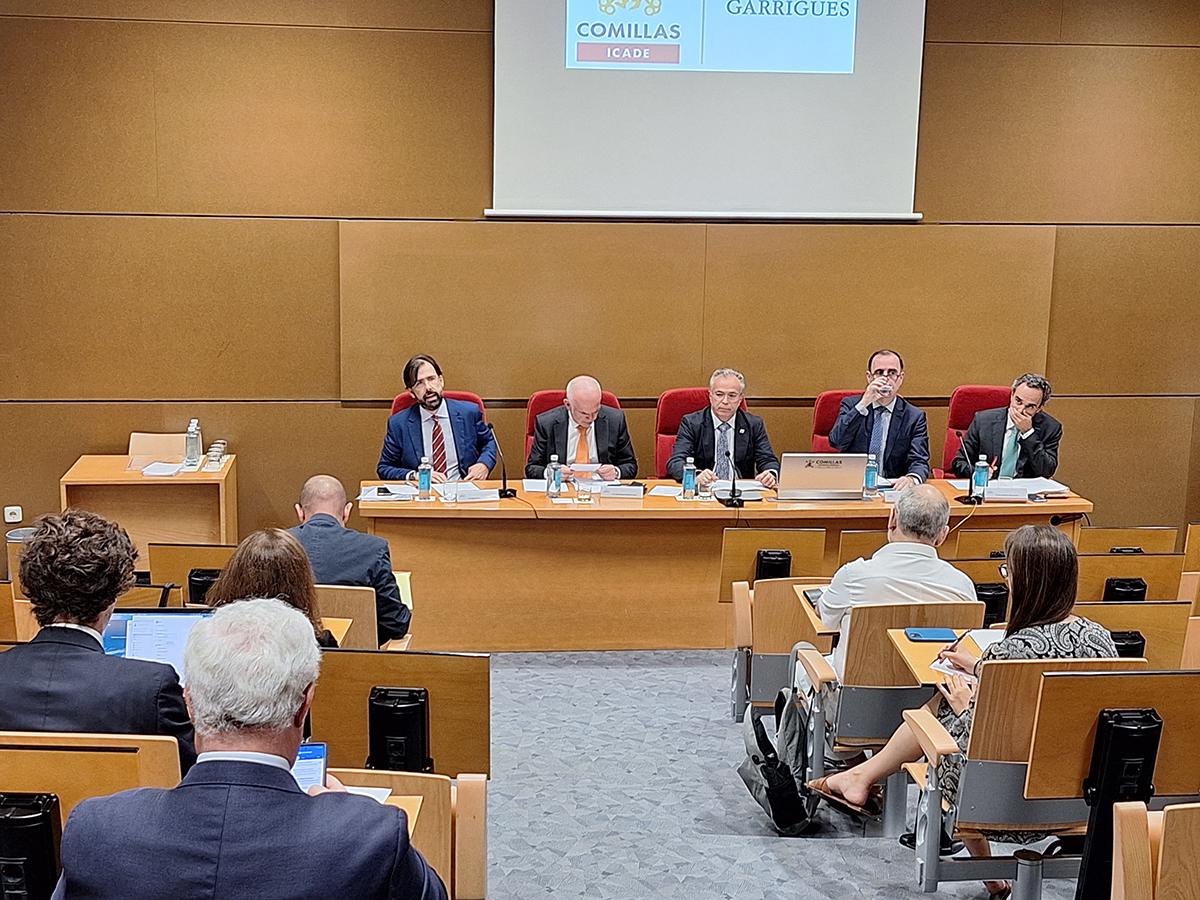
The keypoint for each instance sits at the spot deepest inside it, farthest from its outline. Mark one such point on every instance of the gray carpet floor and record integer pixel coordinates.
(613, 776)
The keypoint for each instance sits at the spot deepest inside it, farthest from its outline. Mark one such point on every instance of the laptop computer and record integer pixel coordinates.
(158, 635)
(822, 476)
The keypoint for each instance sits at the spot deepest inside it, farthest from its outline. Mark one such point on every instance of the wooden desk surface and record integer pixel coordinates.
(410, 803)
(97, 469)
(337, 627)
(810, 611)
(920, 655)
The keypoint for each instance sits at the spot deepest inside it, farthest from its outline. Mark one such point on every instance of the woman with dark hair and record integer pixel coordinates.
(1042, 571)
(271, 563)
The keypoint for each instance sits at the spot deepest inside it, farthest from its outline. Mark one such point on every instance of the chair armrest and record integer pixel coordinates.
(935, 740)
(1189, 588)
(470, 837)
(820, 673)
(743, 628)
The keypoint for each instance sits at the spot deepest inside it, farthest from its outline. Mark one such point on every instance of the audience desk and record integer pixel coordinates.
(187, 508)
(530, 574)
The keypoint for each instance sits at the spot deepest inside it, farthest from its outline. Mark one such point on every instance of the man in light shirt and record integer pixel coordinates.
(238, 825)
(1018, 441)
(881, 422)
(905, 570)
(583, 432)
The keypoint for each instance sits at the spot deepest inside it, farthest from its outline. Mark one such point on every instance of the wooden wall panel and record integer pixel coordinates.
(132, 307)
(510, 308)
(77, 128)
(1125, 316)
(999, 21)
(1162, 22)
(460, 15)
(324, 122)
(1129, 456)
(800, 309)
(1018, 133)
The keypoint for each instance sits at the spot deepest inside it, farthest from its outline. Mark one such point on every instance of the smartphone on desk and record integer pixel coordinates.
(938, 635)
(310, 765)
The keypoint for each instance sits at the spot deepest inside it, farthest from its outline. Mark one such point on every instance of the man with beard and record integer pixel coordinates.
(451, 433)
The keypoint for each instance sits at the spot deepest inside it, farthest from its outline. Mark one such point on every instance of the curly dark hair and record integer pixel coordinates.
(75, 566)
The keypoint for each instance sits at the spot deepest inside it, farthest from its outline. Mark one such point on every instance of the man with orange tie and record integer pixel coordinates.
(583, 432)
(451, 433)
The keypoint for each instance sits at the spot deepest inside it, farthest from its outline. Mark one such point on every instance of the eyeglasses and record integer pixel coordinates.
(886, 373)
(1003, 570)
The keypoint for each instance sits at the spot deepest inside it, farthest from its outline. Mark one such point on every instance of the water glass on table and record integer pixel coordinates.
(585, 488)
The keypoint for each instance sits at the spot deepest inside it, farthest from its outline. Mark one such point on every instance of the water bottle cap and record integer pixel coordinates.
(424, 459)
(691, 459)
(983, 457)
(870, 457)
(553, 457)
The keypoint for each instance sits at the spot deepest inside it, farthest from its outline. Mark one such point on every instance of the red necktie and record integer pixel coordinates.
(439, 447)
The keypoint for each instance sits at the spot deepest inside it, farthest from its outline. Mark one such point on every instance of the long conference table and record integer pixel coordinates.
(617, 574)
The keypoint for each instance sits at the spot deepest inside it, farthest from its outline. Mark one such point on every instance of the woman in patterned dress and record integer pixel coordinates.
(1042, 571)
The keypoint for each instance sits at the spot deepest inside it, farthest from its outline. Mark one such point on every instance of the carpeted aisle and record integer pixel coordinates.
(613, 776)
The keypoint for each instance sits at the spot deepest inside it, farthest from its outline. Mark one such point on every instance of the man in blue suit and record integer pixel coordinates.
(238, 824)
(882, 422)
(451, 433)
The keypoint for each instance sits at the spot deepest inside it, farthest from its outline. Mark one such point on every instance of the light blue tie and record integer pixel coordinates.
(876, 446)
(722, 467)
(1008, 462)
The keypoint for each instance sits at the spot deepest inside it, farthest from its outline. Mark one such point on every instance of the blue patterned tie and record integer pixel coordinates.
(722, 468)
(876, 446)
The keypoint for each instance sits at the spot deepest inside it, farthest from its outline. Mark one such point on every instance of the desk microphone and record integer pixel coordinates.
(734, 500)
(505, 491)
(1063, 518)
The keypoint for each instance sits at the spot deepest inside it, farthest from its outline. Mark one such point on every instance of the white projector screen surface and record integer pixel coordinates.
(707, 108)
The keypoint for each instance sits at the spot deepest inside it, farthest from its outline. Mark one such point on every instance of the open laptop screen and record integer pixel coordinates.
(155, 634)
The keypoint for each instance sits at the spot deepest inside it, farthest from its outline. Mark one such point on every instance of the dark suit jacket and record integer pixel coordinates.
(404, 444)
(234, 830)
(1039, 451)
(613, 446)
(907, 449)
(342, 555)
(752, 451)
(62, 681)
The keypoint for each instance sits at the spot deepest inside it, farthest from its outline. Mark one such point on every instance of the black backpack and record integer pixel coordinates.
(776, 773)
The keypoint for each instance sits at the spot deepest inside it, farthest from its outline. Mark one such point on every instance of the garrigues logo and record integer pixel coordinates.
(829, 8)
(649, 7)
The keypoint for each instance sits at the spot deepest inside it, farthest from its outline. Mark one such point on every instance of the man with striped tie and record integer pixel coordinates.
(451, 433)
(881, 422)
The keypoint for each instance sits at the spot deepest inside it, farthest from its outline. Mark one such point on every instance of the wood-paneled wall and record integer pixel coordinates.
(180, 235)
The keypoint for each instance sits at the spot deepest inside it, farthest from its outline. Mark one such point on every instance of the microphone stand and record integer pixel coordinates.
(506, 493)
(734, 500)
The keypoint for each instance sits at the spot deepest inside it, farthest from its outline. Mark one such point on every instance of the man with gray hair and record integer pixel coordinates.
(238, 825)
(1017, 441)
(724, 438)
(905, 570)
(583, 431)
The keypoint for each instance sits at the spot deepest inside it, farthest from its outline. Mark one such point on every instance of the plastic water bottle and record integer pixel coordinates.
(191, 449)
(871, 478)
(689, 479)
(425, 480)
(979, 478)
(554, 477)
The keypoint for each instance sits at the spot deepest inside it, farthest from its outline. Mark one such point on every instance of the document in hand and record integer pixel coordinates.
(949, 668)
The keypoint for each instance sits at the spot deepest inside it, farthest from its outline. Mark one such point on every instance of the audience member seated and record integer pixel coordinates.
(881, 422)
(271, 563)
(1020, 441)
(238, 825)
(582, 431)
(722, 434)
(341, 555)
(1042, 572)
(906, 570)
(73, 570)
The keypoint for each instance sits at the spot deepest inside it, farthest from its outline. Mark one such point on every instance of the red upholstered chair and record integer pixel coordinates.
(967, 400)
(405, 400)
(673, 405)
(544, 401)
(825, 413)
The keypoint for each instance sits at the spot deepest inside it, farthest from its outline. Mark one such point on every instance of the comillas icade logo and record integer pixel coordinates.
(649, 7)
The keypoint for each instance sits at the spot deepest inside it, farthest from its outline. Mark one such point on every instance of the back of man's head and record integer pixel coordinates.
(248, 667)
(323, 494)
(922, 515)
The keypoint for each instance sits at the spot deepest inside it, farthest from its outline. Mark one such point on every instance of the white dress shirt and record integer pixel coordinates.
(250, 756)
(573, 442)
(899, 572)
(443, 415)
(76, 627)
(732, 423)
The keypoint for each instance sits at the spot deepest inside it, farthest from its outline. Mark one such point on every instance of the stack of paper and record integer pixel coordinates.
(387, 493)
(744, 484)
(162, 469)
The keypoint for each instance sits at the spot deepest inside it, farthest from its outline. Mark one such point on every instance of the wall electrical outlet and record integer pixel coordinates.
(13, 515)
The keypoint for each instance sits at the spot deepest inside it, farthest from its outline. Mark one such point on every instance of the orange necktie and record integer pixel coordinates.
(581, 452)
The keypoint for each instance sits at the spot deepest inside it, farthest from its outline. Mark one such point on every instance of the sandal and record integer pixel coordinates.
(1003, 894)
(872, 809)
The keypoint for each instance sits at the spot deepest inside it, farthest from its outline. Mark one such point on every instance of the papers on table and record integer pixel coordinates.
(666, 490)
(960, 484)
(533, 485)
(744, 484)
(378, 794)
(162, 469)
(387, 493)
(625, 491)
(562, 500)
(985, 637)
(469, 493)
(883, 482)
